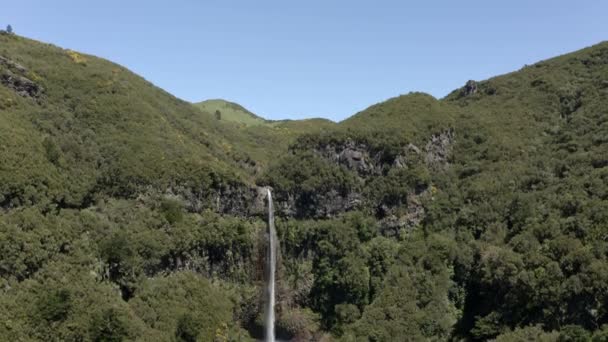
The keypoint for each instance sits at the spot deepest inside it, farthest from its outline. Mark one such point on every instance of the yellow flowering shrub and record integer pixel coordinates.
(76, 57)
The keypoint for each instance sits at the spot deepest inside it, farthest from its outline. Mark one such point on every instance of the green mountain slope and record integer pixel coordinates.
(97, 127)
(495, 193)
(128, 214)
(230, 111)
(258, 140)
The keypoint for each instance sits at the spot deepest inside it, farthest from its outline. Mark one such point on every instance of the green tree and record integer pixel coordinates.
(574, 333)
(55, 306)
(172, 209)
(108, 326)
(187, 329)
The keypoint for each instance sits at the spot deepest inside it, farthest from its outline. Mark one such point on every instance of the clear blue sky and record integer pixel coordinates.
(295, 59)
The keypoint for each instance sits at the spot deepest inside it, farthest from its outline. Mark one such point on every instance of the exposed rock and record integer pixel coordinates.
(361, 159)
(413, 148)
(285, 204)
(400, 162)
(469, 88)
(318, 205)
(403, 159)
(394, 223)
(260, 202)
(20, 84)
(12, 65)
(333, 203)
(244, 200)
(354, 160)
(12, 76)
(237, 200)
(438, 149)
(354, 156)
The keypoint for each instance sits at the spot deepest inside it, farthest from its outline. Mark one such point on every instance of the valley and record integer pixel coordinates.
(127, 213)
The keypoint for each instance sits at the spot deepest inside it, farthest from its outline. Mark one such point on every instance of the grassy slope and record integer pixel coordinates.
(259, 141)
(231, 111)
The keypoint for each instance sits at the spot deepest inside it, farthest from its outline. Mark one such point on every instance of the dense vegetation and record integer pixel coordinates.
(128, 214)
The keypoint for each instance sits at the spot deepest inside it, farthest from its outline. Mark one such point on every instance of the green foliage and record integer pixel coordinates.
(573, 333)
(394, 188)
(533, 333)
(52, 151)
(601, 335)
(106, 183)
(56, 306)
(108, 326)
(309, 178)
(79, 136)
(172, 209)
(230, 111)
(309, 175)
(183, 305)
(414, 300)
(187, 329)
(349, 261)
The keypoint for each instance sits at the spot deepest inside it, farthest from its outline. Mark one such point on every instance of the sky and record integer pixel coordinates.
(313, 58)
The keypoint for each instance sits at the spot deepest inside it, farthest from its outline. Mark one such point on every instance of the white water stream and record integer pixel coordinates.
(271, 262)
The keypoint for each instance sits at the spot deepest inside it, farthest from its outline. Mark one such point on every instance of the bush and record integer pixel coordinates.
(108, 326)
(172, 209)
(573, 333)
(55, 306)
(187, 329)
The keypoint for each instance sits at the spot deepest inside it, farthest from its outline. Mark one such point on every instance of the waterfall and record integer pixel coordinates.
(271, 262)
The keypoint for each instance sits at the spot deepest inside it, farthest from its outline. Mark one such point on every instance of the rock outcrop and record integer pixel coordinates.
(405, 219)
(244, 200)
(369, 164)
(5, 62)
(469, 88)
(360, 157)
(318, 205)
(438, 149)
(12, 76)
(238, 200)
(354, 156)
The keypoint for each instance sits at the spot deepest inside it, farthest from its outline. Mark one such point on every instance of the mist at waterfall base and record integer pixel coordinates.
(271, 261)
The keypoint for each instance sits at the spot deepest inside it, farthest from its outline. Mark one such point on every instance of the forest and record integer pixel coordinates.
(127, 214)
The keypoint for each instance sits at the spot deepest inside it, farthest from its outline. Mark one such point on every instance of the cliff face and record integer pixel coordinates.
(372, 171)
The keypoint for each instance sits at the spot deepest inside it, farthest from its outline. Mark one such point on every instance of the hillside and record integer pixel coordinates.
(128, 214)
(230, 111)
(494, 194)
(259, 141)
(94, 126)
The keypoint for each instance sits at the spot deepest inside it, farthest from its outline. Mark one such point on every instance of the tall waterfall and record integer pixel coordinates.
(271, 262)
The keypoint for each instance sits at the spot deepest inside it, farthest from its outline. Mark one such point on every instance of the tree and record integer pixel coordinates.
(108, 326)
(218, 115)
(55, 306)
(9, 29)
(188, 328)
